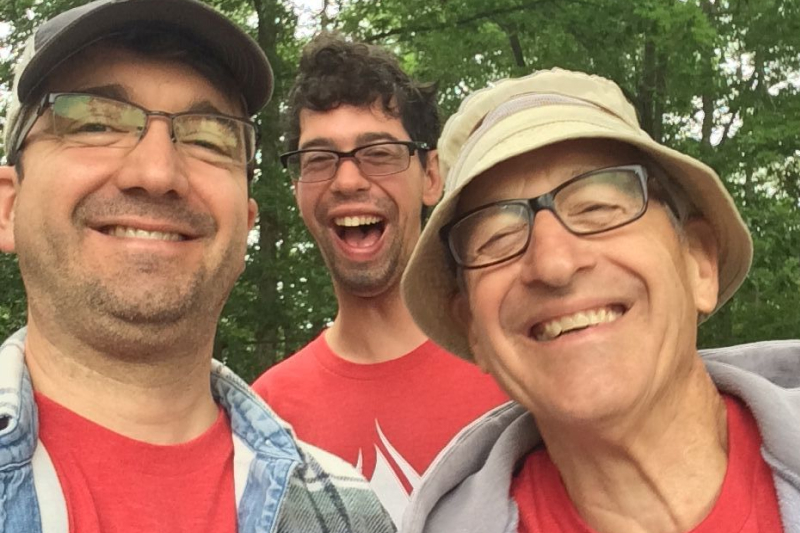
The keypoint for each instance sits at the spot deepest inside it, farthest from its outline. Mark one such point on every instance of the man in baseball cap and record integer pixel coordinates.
(575, 257)
(126, 200)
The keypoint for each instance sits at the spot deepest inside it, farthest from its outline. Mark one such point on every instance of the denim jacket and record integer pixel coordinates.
(281, 485)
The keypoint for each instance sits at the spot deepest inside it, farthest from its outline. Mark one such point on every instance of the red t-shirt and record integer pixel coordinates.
(747, 502)
(113, 484)
(388, 419)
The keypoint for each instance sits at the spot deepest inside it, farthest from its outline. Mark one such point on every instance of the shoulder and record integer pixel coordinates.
(482, 455)
(789, 347)
(777, 361)
(295, 367)
(327, 494)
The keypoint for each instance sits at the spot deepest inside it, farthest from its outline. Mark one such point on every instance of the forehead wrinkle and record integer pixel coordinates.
(205, 106)
(100, 55)
(330, 143)
(317, 142)
(115, 91)
(375, 136)
(557, 163)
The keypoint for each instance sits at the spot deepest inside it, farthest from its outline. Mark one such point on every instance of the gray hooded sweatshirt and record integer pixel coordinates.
(466, 489)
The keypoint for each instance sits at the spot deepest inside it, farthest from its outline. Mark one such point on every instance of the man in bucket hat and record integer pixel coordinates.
(576, 257)
(127, 205)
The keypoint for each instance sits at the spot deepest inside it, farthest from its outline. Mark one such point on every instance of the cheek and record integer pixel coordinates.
(236, 213)
(307, 201)
(668, 281)
(488, 293)
(39, 208)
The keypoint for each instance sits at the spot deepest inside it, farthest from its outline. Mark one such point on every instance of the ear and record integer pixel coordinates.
(432, 188)
(702, 263)
(252, 213)
(459, 310)
(8, 198)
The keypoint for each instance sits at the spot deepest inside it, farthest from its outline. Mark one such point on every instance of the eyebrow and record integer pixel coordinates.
(362, 139)
(119, 92)
(114, 91)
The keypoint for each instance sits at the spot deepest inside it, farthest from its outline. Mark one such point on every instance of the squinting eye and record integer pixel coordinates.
(380, 153)
(209, 143)
(317, 160)
(501, 241)
(595, 208)
(76, 126)
(377, 152)
(207, 135)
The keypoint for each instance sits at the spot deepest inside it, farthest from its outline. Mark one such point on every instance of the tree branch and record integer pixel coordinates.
(424, 28)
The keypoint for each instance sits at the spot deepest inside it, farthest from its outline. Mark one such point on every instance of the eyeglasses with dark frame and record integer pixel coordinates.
(592, 203)
(90, 120)
(374, 159)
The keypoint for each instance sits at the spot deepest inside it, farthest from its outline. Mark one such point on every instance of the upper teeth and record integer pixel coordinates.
(581, 319)
(122, 231)
(357, 221)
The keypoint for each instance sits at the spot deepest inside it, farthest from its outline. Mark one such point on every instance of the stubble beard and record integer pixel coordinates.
(126, 321)
(365, 279)
(117, 317)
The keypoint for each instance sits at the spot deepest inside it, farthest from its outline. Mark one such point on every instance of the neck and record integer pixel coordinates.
(373, 329)
(663, 476)
(162, 399)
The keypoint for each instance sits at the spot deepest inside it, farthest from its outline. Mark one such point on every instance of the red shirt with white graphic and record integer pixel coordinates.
(747, 502)
(389, 419)
(113, 484)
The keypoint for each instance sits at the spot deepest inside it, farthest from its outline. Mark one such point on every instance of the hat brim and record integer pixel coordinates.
(238, 52)
(429, 283)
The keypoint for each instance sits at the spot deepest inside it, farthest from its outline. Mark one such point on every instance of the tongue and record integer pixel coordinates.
(361, 237)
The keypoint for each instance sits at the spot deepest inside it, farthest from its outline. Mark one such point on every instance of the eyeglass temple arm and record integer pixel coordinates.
(26, 128)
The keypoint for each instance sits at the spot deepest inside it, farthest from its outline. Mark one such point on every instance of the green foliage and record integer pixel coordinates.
(716, 79)
(12, 300)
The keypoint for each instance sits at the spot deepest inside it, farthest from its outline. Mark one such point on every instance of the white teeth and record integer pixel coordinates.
(123, 231)
(552, 329)
(356, 221)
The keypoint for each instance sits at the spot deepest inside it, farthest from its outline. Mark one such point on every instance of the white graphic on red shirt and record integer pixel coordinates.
(387, 481)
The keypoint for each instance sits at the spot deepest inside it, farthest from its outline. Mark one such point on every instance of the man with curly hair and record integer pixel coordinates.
(362, 155)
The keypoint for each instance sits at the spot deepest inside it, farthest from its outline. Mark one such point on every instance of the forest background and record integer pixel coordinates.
(718, 79)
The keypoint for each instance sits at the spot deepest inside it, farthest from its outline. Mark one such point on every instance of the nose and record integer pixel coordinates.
(554, 255)
(154, 164)
(349, 178)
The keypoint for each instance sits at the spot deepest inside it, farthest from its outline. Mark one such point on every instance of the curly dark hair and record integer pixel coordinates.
(334, 72)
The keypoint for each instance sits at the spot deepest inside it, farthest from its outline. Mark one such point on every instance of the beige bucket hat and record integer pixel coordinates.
(516, 116)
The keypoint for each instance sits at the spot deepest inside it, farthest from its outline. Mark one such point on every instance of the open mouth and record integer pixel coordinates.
(359, 231)
(136, 233)
(564, 325)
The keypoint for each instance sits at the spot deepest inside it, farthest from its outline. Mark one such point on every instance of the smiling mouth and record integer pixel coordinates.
(359, 231)
(136, 233)
(557, 327)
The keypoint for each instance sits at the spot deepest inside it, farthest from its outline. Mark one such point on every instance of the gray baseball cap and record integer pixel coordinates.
(64, 35)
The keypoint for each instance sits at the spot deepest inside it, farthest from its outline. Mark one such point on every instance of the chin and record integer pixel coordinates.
(581, 406)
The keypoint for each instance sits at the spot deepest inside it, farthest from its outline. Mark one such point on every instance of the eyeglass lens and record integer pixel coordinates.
(597, 202)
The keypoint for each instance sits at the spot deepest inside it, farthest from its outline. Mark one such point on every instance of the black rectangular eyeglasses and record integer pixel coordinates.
(591, 203)
(374, 159)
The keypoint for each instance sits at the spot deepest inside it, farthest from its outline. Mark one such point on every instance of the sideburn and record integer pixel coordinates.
(18, 168)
